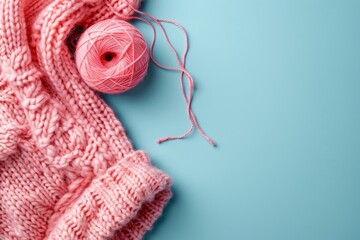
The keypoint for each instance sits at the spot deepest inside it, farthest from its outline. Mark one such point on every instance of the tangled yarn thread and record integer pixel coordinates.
(112, 56)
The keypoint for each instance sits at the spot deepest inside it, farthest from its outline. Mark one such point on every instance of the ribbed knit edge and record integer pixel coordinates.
(121, 204)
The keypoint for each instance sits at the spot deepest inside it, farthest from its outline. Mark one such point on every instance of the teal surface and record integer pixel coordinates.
(278, 87)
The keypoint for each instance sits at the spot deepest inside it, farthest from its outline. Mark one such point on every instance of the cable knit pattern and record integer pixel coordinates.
(67, 169)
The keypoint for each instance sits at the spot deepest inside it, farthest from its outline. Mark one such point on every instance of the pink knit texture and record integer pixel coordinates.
(67, 169)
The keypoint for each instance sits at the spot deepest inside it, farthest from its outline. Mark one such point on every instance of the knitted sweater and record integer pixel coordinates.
(67, 169)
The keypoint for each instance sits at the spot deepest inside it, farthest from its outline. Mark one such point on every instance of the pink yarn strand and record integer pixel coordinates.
(182, 69)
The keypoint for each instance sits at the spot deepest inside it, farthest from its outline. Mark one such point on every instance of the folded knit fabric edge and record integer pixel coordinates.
(67, 169)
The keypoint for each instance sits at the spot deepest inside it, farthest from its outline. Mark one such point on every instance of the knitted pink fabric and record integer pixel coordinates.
(67, 169)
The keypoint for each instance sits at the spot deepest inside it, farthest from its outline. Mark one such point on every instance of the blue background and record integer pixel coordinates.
(278, 87)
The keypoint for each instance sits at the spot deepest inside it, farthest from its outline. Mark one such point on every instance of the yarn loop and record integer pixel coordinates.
(112, 57)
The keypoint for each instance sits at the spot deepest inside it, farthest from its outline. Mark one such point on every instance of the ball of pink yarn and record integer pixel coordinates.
(112, 56)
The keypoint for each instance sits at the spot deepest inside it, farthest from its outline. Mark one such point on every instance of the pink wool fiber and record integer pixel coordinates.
(67, 169)
(112, 56)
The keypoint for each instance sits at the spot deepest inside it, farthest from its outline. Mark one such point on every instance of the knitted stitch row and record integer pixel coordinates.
(67, 169)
